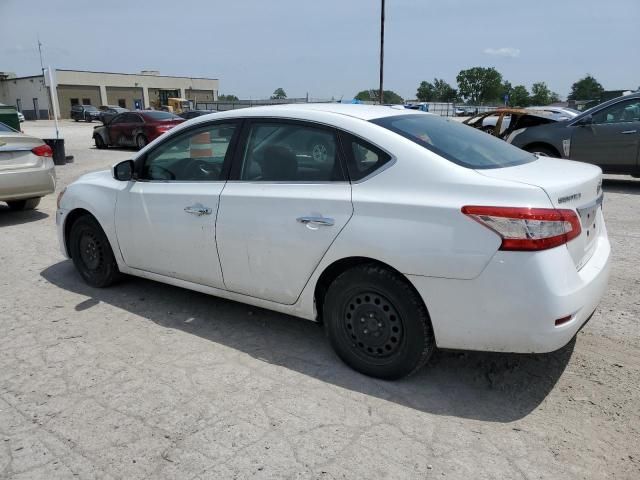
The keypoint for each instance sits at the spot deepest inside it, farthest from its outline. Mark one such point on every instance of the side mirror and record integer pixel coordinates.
(123, 171)
(586, 120)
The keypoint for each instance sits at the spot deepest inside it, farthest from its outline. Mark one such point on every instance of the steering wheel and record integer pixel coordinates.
(203, 169)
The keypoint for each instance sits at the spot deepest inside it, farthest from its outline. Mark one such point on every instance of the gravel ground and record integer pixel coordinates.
(144, 380)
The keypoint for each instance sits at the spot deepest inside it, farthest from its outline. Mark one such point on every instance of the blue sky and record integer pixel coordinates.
(329, 47)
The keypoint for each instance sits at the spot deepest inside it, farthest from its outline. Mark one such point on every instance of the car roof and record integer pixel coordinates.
(364, 112)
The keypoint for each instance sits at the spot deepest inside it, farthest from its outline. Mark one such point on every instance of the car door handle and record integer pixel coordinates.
(629, 132)
(198, 210)
(324, 221)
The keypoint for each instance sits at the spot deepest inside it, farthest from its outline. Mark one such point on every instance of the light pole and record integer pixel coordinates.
(381, 93)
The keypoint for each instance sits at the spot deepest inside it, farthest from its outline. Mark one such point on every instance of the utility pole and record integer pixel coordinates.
(381, 93)
(44, 83)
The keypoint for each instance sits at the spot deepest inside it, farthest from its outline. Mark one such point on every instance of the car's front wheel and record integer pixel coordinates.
(91, 253)
(141, 141)
(377, 323)
(27, 204)
(99, 141)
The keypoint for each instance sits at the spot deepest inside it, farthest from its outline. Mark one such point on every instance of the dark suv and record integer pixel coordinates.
(88, 113)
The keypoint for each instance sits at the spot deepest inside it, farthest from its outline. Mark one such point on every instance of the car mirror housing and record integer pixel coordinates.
(586, 120)
(123, 171)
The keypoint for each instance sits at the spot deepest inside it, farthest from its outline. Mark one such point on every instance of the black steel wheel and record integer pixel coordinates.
(377, 322)
(91, 253)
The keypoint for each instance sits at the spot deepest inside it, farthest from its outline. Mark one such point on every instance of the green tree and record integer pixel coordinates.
(227, 98)
(554, 98)
(444, 92)
(372, 95)
(438, 91)
(426, 92)
(587, 88)
(279, 94)
(479, 84)
(540, 94)
(519, 97)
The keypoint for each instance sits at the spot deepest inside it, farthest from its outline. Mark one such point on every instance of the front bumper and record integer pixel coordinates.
(28, 182)
(513, 304)
(61, 216)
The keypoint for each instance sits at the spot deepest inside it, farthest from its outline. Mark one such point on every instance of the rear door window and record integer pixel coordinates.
(458, 143)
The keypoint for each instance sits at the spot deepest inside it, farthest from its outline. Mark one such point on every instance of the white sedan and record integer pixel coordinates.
(401, 231)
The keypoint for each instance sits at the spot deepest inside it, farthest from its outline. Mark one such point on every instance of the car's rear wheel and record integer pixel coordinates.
(141, 141)
(377, 323)
(75, 119)
(91, 253)
(99, 141)
(88, 119)
(27, 204)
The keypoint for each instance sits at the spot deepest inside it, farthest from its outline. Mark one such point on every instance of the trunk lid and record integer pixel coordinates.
(15, 151)
(569, 185)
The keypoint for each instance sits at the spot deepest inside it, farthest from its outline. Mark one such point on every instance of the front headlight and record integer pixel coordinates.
(60, 196)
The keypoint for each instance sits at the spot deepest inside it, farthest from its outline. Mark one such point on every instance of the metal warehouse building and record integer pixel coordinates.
(142, 90)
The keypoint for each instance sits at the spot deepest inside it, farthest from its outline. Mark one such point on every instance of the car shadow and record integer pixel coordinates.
(621, 185)
(10, 217)
(483, 386)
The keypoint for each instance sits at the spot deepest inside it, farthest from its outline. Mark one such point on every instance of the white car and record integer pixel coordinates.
(401, 231)
(27, 172)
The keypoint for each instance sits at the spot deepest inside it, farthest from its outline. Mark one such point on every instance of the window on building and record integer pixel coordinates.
(122, 103)
(86, 101)
(74, 101)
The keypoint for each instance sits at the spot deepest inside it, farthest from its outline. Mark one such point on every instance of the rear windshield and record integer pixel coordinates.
(161, 115)
(456, 142)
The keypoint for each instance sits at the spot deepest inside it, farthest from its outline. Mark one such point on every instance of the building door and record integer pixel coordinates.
(36, 108)
(165, 95)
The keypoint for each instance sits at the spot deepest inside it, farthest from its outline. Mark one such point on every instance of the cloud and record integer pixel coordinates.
(503, 52)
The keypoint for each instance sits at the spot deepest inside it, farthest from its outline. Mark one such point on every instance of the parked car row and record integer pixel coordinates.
(134, 129)
(607, 135)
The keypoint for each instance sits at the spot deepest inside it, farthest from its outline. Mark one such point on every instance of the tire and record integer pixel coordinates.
(543, 151)
(91, 253)
(141, 141)
(27, 204)
(75, 119)
(99, 142)
(377, 323)
(88, 119)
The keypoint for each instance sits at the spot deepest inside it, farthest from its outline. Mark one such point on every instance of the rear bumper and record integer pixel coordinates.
(28, 183)
(513, 304)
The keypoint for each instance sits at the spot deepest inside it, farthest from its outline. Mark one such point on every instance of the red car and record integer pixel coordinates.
(134, 129)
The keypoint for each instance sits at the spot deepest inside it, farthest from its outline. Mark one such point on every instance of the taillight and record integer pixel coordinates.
(527, 229)
(164, 128)
(42, 151)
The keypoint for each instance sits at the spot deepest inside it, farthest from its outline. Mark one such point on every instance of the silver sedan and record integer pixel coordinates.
(26, 169)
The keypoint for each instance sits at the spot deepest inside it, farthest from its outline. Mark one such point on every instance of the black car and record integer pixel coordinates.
(88, 113)
(189, 114)
(109, 112)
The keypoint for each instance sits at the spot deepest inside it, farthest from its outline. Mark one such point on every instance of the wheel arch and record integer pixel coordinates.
(529, 146)
(335, 269)
(70, 219)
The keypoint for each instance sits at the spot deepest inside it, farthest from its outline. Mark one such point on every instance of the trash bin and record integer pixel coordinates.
(9, 116)
(57, 145)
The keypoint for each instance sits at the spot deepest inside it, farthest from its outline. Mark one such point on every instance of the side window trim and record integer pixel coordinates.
(242, 144)
(229, 156)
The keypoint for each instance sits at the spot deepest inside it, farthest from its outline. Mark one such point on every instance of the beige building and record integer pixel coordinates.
(142, 90)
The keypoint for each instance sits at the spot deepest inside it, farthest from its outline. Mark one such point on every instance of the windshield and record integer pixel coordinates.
(162, 116)
(90, 107)
(456, 142)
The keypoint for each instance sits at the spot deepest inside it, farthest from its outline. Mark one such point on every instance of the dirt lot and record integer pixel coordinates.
(145, 380)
